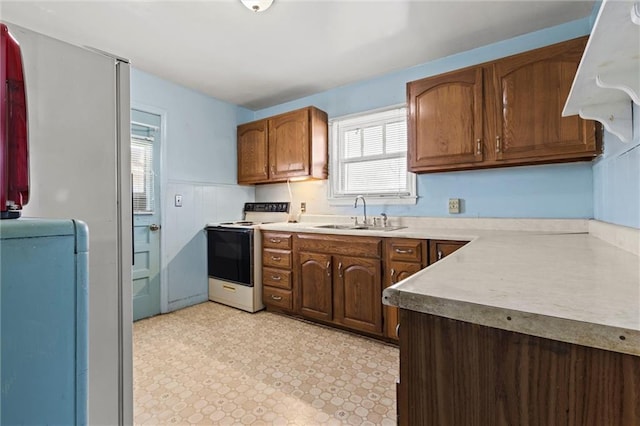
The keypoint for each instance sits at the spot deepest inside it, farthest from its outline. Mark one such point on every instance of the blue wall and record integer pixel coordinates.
(199, 163)
(201, 130)
(616, 176)
(550, 191)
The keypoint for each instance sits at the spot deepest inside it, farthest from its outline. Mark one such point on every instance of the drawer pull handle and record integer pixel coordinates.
(276, 258)
(479, 142)
(440, 254)
(228, 287)
(275, 240)
(274, 297)
(276, 277)
(498, 144)
(393, 273)
(401, 251)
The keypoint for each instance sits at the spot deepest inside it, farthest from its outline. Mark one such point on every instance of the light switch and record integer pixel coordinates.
(178, 200)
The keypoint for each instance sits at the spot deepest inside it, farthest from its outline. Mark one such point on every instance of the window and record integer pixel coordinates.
(369, 157)
(142, 173)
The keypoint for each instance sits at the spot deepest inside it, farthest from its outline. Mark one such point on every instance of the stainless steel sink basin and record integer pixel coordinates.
(341, 226)
(361, 227)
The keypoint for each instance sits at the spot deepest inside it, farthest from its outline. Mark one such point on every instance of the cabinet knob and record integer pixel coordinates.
(393, 273)
(440, 254)
(154, 227)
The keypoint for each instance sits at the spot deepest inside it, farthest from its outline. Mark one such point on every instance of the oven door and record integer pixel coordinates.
(230, 254)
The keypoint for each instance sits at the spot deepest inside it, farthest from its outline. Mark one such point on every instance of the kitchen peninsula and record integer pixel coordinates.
(532, 322)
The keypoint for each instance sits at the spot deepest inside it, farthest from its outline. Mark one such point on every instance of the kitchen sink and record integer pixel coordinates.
(361, 227)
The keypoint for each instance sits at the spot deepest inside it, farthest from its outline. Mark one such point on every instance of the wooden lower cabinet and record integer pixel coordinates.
(358, 293)
(315, 287)
(339, 279)
(403, 258)
(396, 272)
(336, 287)
(458, 373)
(277, 281)
(439, 249)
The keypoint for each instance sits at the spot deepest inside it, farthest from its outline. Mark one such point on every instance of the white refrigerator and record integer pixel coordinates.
(79, 142)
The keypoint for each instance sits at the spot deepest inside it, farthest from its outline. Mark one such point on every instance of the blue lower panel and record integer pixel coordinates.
(43, 326)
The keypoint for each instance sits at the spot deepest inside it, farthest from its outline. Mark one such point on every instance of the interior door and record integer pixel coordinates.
(145, 174)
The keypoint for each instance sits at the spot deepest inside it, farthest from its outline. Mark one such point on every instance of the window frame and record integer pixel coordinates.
(335, 194)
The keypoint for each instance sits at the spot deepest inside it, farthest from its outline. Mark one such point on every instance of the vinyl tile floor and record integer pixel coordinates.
(215, 365)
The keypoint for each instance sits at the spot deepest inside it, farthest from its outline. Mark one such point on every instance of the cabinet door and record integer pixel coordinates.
(439, 249)
(314, 286)
(289, 145)
(252, 152)
(396, 271)
(445, 120)
(530, 92)
(358, 298)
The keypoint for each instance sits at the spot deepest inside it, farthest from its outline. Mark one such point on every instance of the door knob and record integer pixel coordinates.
(154, 227)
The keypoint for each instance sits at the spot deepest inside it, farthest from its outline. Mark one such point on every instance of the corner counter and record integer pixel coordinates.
(547, 278)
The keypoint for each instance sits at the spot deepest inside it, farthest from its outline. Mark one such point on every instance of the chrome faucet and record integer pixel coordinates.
(364, 206)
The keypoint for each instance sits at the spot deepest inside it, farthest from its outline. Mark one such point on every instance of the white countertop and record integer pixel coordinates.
(572, 287)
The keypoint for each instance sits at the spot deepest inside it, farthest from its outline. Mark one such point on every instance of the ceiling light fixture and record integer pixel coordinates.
(257, 5)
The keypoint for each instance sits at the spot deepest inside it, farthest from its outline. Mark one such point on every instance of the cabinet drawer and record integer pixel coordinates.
(340, 245)
(276, 240)
(276, 277)
(405, 250)
(277, 258)
(277, 297)
(440, 249)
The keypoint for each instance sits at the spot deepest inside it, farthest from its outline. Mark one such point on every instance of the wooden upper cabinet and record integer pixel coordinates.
(503, 113)
(531, 90)
(253, 152)
(291, 145)
(445, 119)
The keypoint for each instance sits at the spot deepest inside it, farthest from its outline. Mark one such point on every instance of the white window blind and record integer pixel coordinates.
(142, 174)
(369, 157)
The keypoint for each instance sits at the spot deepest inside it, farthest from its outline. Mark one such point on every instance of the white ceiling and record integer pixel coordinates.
(294, 49)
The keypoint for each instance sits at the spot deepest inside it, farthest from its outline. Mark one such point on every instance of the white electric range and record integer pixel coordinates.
(234, 258)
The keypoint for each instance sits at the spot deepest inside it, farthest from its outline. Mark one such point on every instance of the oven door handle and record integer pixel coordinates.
(224, 229)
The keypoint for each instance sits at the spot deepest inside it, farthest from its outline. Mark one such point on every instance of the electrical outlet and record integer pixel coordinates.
(303, 207)
(454, 205)
(178, 199)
